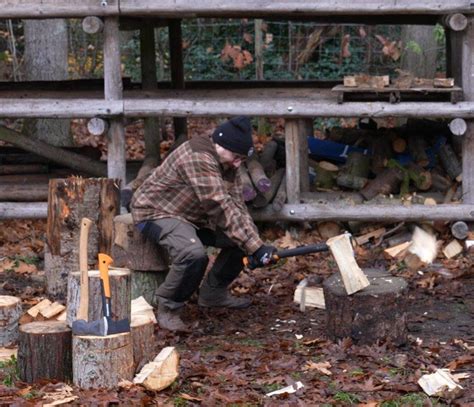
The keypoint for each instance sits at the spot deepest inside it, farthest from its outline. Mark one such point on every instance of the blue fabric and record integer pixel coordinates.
(330, 150)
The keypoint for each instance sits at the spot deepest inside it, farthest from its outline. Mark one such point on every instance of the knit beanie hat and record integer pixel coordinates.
(235, 135)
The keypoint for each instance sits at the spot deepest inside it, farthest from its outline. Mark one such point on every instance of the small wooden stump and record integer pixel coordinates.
(143, 340)
(375, 313)
(102, 361)
(131, 249)
(120, 287)
(44, 351)
(10, 312)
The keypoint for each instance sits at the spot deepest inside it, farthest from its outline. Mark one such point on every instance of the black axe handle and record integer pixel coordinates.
(252, 263)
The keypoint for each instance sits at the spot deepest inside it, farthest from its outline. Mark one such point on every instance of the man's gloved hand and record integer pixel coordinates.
(264, 255)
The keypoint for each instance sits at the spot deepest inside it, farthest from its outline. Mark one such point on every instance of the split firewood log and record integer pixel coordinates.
(161, 372)
(385, 183)
(257, 175)
(450, 162)
(248, 190)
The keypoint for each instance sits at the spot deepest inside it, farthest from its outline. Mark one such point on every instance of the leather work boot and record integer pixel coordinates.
(220, 297)
(170, 319)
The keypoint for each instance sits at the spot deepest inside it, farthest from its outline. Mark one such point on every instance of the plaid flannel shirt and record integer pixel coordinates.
(191, 185)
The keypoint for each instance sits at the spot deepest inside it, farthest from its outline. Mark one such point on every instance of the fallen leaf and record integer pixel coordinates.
(322, 367)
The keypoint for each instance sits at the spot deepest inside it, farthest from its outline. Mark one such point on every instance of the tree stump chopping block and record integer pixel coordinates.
(143, 340)
(131, 249)
(120, 287)
(44, 351)
(375, 313)
(146, 283)
(102, 361)
(10, 312)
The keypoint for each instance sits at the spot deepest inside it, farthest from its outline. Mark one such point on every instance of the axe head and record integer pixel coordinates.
(94, 328)
(117, 327)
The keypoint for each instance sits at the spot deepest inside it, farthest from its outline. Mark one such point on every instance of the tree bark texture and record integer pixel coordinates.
(10, 312)
(70, 200)
(144, 342)
(120, 287)
(375, 313)
(131, 249)
(44, 351)
(102, 361)
(146, 283)
(46, 58)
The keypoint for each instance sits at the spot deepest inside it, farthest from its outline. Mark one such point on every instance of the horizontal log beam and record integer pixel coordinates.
(300, 212)
(57, 8)
(218, 8)
(365, 212)
(247, 8)
(59, 108)
(290, 108)
(23, 210)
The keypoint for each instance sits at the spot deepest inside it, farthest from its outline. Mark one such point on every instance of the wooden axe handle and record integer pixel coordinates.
(82, 312)
(104, 262)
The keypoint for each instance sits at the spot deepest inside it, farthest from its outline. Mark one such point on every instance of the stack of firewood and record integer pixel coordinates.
(419, 160)
(44, 310)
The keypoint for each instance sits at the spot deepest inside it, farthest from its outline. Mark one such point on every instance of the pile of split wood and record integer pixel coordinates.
(420, 162)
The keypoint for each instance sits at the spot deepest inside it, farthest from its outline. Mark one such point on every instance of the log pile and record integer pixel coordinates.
(404, 165)
(44, 310)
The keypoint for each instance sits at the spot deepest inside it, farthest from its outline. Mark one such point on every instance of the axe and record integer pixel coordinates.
(106, 325)
(251, 262)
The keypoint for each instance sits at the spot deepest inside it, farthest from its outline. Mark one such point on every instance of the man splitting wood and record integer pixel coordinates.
(192, 200)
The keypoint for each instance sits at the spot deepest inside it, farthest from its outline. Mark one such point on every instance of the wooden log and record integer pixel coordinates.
(258, 176)
(69, 201)
(280, 197)
(265, 198)
(248, 190)
(385, 183)
(23, 210)
(326, 174)
(101, 362)
(44, 352)
(443, 82)
(460, 230)
(417, 148)
(450, 162)
(292, 153)
(329, 229)
(146, 283)
(161, 372)
(352, 275)
(55, 154)
(440, 182)
(458, 126)
(120, 287)
(143, 341)
(381, 153)
(97, 126)
(399, 145)
(374, 314)
(132, 250)
(267, 155)
(6, 169)
(92, 25)
(421, 178)
(10, 312)
(24, 192)
(455, 21)
(351, 181)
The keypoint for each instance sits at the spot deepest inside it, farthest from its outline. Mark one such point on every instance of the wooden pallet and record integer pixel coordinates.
(396, 95)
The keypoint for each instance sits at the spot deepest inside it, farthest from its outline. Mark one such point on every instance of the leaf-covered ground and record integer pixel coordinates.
(234, 358)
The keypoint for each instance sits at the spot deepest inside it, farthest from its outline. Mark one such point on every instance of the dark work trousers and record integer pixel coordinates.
(186, 248)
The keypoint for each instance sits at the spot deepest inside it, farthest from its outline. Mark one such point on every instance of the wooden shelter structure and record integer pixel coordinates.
(297, 102)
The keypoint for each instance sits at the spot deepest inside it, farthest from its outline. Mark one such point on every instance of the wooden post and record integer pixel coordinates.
(258, 23)
(116, 164)
(149, 82)
(44, 351)
(306, 130)
(177, 72)
(69, 201)
(293, 161)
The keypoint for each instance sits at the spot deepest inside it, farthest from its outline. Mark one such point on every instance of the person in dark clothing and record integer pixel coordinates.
(194, 199)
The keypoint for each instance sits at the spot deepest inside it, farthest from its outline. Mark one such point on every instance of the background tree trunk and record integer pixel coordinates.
(46, 58)
(421, 64)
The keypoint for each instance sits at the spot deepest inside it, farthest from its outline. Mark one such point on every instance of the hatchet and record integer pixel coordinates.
(251, 262)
